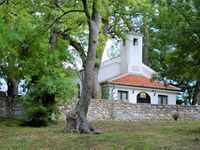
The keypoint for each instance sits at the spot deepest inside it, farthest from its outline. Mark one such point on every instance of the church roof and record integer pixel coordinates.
(140, 81)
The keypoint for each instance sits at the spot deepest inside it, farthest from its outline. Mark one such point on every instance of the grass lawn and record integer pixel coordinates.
(117, 135)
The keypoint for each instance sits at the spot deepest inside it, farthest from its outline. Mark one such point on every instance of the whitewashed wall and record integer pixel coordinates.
(133, 92)
(147, 72)
(109, 69)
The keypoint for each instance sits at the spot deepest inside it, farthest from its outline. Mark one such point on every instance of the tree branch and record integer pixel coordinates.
(188, 21)
(59, 8)
(2, 2)
(51, 25)
(95, 13)
(70, 11)
(85, 5)
(127, 14)
(79, 48)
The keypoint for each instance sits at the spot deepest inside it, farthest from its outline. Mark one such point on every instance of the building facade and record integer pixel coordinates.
(130, 80)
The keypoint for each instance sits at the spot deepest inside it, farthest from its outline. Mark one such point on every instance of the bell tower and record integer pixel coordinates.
(131, 53)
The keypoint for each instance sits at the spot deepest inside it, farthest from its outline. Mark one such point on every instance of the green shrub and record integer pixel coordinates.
(43, 97)
(36, 116)
(105, 91)
(179, 102)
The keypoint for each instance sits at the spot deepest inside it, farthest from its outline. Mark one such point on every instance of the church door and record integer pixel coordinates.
(143, 97)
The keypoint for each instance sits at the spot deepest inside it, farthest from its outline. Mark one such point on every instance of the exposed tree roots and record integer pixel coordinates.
(78, 124)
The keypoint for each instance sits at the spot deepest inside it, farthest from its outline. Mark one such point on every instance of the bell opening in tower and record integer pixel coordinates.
(135, 41)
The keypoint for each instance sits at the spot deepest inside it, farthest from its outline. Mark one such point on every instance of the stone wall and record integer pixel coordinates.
(112, 110)
(3, 112)
(9, 106)
(118, 110)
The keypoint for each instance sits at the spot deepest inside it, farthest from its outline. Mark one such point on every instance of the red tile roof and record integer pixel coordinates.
(141, 81)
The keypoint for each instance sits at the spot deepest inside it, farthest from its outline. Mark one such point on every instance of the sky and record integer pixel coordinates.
(105, 57)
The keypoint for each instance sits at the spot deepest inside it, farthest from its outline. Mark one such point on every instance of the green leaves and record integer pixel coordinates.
(175, 42)
(25, 49)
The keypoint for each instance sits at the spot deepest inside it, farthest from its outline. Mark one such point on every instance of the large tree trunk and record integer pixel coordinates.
(12, 87)
(196, 96)
(77, 120)
(96, 92)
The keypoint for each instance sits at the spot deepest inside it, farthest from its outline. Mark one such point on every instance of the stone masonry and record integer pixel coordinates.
(9, 107)
(118, 110)
(113, 110)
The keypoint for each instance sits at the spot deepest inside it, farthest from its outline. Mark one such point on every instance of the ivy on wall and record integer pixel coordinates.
(105, 91)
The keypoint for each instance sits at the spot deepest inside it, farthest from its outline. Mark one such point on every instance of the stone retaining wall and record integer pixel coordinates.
(9, 107)
(118, 110)
(3, 112)
(113, 110)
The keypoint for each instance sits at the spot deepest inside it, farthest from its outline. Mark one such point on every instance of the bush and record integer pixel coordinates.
(42, 99)
(36, 116)
(105, 91)
(179, 102)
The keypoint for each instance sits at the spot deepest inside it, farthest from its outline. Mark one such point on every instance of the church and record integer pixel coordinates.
(128, 79)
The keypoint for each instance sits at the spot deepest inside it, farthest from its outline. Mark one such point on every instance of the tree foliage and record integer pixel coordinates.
(26, 54)
(175, 43)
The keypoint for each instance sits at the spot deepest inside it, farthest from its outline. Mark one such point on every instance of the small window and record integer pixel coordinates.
(162, 99)
(123, 95)
(143, 95)
(135, 41)
(124, 42)
(78, 92)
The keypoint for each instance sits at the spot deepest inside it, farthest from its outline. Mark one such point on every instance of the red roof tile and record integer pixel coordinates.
(141, 81)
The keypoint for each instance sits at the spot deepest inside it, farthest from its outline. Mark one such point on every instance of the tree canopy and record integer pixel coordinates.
(175, 44)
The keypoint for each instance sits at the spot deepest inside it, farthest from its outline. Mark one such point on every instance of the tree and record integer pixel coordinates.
(36, 56)
(115, 22)
(93, 20)
(74, 28)
(110, 18)
(9, 58)
(176, 35)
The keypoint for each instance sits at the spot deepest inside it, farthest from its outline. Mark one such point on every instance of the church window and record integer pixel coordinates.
(135, 41)
(123, 95)
(162, 99)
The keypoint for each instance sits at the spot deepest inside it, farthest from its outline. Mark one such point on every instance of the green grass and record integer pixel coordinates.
(116, 135)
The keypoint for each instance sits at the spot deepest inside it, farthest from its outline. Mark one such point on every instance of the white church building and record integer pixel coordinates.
(129, 79)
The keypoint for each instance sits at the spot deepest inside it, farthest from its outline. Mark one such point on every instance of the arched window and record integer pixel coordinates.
(143, 97)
